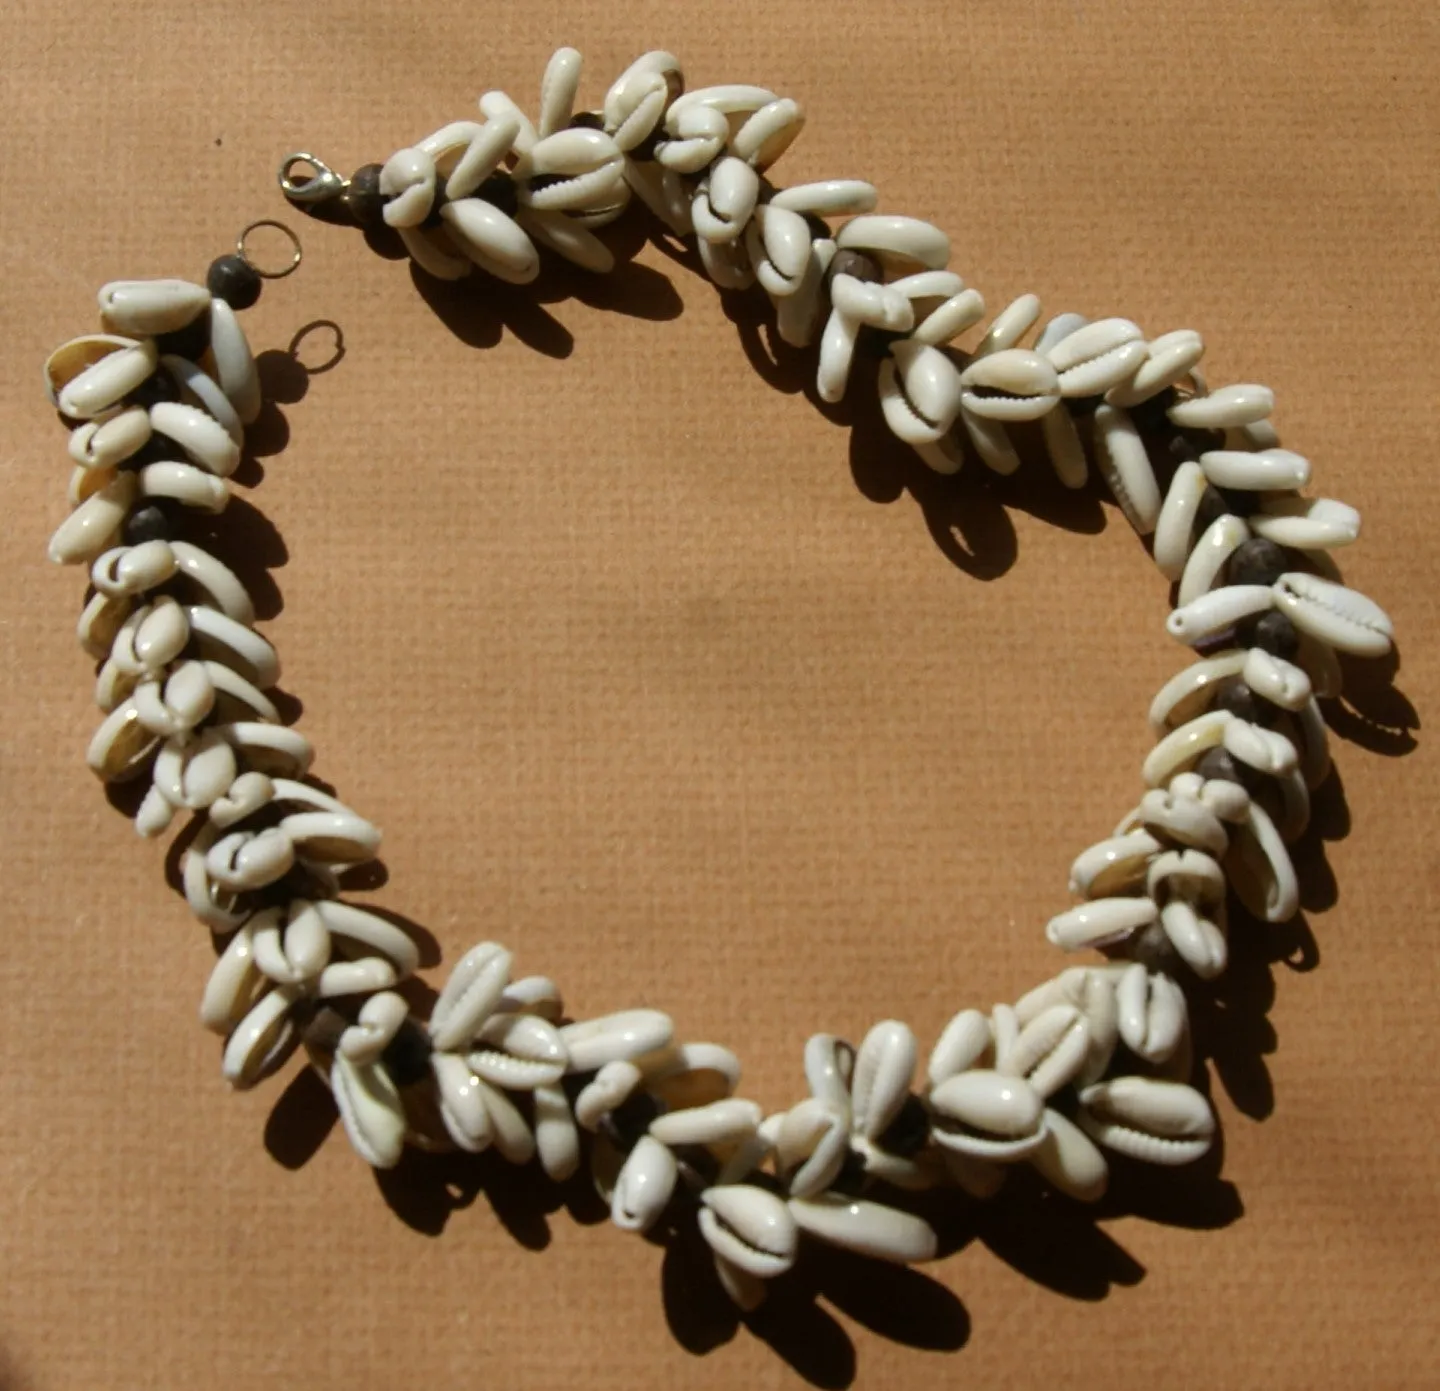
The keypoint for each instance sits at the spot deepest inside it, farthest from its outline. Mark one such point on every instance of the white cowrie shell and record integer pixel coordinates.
(250, 860)
(730, 99)
(1184, 819)
(634, 85)
(1339, 617)
(360, 977)
(778, 242)
(186, 698)
(468, 152)
(1314, 745)
(185, 484)
(130, 570)
(797, 315)
(1190, 691)
(235, 368)
(643, 113)
(1011, 324)
(1125, 467)
(259, 1040)
(964, 1041)
(99, 386)
(1188, 874)
(1153, 1121)
(837, 351)
(1199, 940)
(221, 639)
(1152, 1013)
(1260, 868)
(204, 439)
(1096, 374)
(945, 455)
(538, 995)
(557, 1141)
(697, 138)
(1228, 800)
(245, 796)
(1216, 545)
(493, 239)
(1069, 1160)
(644, 1186)
(1265, 750)
(828, 198)
(231, 988)
(371, 1110)
(90, 528)
(149, 307)
(768, 132)
(557, 90)
(379, 1020)
(747, 1292)
(498, 106)
(629, 1034)
(1263, 470)
(901, 244)
(1111, 866)
(292, 947)
(884, 1066)
(1100, 923)
(462, 1108)
(120, 745)
(829, 1063)
(567, 238)
(1224, 409)
(869, 302)
(1062, 443)
(433, 250)
(690, 1074)
(720, 1123)
(1058, 329)
(1321, 665)
(868, 1228)
(218, 909)
(76, 356)
(236, 698)
(988, 1114)
(275, 749)
(101, 444)
(332, 838)
(1169, 359)
(1308, 524)
(610, 1088)
(1090, 342)
(1217, 610)
(201, 391)
(725, 201)
(812, 1142)
(523, 1052)
(920, 392)
(407, 179)
(1176, 523)
(588, 162)
(1092, 992)
(369, 930)
(513, 1138)
(193, 773)
(949, 320)
(470, 995)
(751, 1228)
(1050, 1050)
(1026, 384)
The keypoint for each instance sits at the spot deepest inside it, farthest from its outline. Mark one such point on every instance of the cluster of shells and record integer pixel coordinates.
(1097, 1059)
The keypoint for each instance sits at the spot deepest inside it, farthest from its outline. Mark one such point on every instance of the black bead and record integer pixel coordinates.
(189, 342)
(1240, 501)
(1083, 407)
(1236, 697)
(1256, 561)
(158, 386)
(1274, 633)
(1219, 764)
(856, 263)
(1149, 416)
(630, 1120)
(644, 152)
(1182, 450)
(148, 523)
(1212, 507)
(363, 199)
(433, 218)
(908, 1132)
(234, 280)
(499, 191)
(407, 1056)
(587, 120)
(1154, 950)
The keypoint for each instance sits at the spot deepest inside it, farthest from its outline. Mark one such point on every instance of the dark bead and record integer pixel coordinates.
(1154, 950)
(1083, 407)
(1149, 416)
(908, 1132)
(158, 386)
(1212, 507)
(587, 120)
(1256, 561)
(1241, 502)
(644, 152)
(852, 1178)
(1236, 697)
(856, 263)
(624, 1126)
(1276, 634)
(1219, 764)
(363, 199)
(147, 523)
(234, 280)
(433, 218)
(407, 1056)
(189, 342)
(1182, 450)
(499, 191)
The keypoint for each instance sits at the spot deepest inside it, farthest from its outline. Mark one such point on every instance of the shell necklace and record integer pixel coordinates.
(1097, 1059)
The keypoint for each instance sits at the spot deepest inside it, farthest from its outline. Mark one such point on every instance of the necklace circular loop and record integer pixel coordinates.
(297, 255)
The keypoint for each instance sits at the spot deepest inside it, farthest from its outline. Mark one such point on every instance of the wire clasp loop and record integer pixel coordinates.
(322, 184)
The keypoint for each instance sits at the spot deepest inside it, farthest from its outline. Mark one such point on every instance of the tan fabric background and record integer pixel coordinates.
(694, 696)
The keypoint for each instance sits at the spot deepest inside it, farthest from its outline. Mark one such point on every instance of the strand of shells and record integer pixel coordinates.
(1097, 1059)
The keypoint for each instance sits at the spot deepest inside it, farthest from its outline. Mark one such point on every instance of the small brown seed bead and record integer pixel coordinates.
(1236, 697)
(1275, 634)
(407, 1056)
(234, 280)
(148, 523)
(856, 263)
(1256, 561)
(1212, 507)
(1154, 950)
(363, 199)
(499, 191)
(189, 342)
(587, 120)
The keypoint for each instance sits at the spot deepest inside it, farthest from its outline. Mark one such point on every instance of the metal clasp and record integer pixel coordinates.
(323, 184)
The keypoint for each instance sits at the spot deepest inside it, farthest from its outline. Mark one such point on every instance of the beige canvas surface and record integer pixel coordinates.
(699, 696)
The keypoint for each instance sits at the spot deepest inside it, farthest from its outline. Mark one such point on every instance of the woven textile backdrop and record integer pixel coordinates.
(699, 696)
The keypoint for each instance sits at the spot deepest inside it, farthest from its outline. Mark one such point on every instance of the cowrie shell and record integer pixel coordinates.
(1339, 617)
(1217, 610)
(587, 162)
(368, 929)
(811, 1144)
(1153, 1121)
(496, 106)
(435, 252)
(769, 132)
(379, 1020)
(147, 307)
(1069, 1160)
(725, 200)
(1111, 866)
(91, 528)
(641, 113)
(884, 1067)
(610, 1088)
(663, 192)
(269, 748)
(235, 369)
(632, 88)
(565, 236)
(720, 1123)
(920, 392)
(828, 197)
(1217, 544)
(470, 995)
(204, 439)
(101, 444)
(1199, 940)
(468, 152)
(778, 242)
(900, 244)
(407, 179)
(259, 1040)
(726, 263)
(522, 1052)
(1310, 524)
(749, 1227)
(462, 1108)
(1261, 872)
(629, 1034)
(949, 320)
(643, 1186)
(1098, 356)
(698, 136)
(868, 1228)
(186, 697)
(829, 1063)
(557, 90)
(690, 1074)
(869, 302)
(359, 977)
(1062, 443)
(557, 1141)
(184, 483)
(1058, 329)
(1153, 1018)
(97, 371)
(1100, 922)
(200, 391)
(1175, 526)
(492, 239)
(1125, 467)
(988, 1114)
(1224, 409)
(964, 1042)
(1265, 750)
(1169, 358)
(1050, 1050)
(1184, 819)
(1263, 470)
(232, 987)
(1011, 324)
(371, 1111)
(1189, 692)
(1009, 385)
(730, 99)
(797, 315)
(195, 772)
(292, 947)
